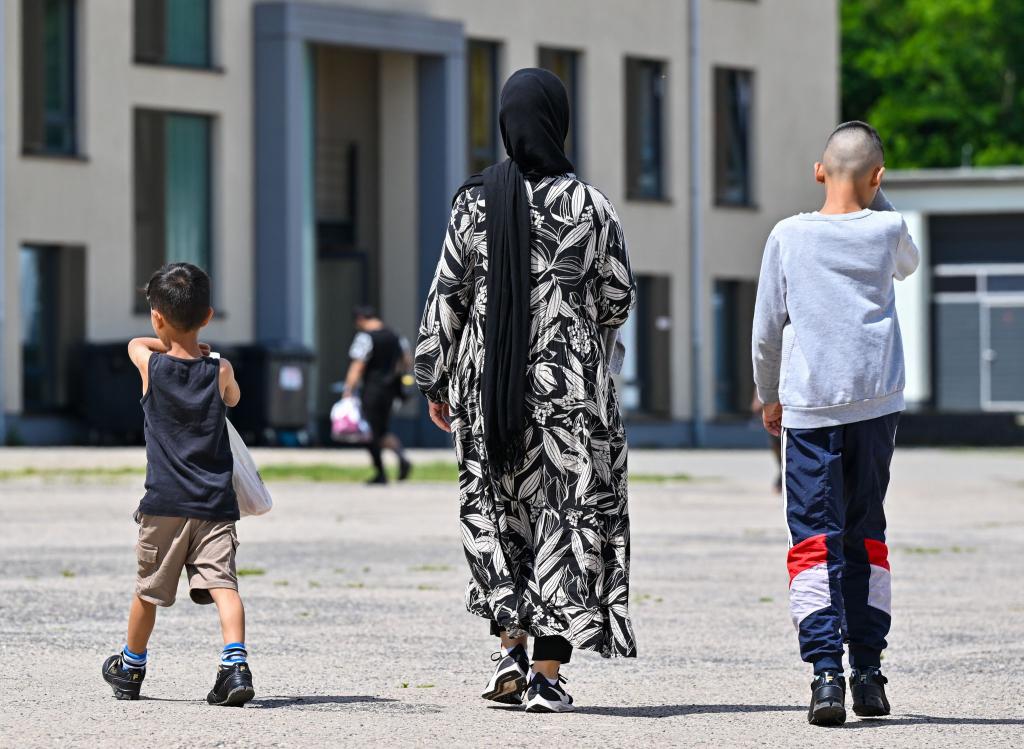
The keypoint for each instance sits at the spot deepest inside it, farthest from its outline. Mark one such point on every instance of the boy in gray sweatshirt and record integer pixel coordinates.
(828, 364)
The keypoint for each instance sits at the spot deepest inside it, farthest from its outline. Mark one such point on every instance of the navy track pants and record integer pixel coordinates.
(839, 582)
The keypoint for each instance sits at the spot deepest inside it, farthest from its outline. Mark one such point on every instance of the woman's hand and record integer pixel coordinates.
(440, 415)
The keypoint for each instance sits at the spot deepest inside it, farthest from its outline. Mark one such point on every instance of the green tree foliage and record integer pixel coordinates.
(942, 80)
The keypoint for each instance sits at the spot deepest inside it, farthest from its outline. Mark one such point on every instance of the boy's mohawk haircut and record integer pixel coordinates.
(853, 148)
(859, 125)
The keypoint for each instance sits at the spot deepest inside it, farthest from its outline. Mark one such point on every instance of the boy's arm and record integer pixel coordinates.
(908, 257)
(139, 351)
(229, 390)
(770, 317)
(881, 202)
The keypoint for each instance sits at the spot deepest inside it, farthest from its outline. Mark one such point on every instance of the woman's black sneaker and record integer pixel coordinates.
(828, 700)
(868, 687)
(233, 687)
(508, 682)
(126, 682)
(545, 697)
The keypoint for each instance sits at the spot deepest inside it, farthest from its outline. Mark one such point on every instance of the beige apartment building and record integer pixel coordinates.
(306, 153)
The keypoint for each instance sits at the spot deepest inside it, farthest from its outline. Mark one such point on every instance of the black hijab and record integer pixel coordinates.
(534, 120)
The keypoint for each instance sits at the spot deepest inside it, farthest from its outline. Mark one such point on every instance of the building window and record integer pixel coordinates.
(48, 77)
(483, 105)
(565, 64)
(734, 104)
(173, 207)
(646, 378)
(173, 32)
(733, 307)
(645, 129)
(52, 302)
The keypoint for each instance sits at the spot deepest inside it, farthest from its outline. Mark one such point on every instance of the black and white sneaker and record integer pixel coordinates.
(233, 687)
(828, 698)
(126, 682)
(509, 680)
(545, 697)
(868, 687)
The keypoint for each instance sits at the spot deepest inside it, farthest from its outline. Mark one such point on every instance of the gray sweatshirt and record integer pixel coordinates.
(826, 341)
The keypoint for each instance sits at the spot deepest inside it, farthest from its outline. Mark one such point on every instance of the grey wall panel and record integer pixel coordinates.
(957, 363)
(986, 238)
(1006, 332)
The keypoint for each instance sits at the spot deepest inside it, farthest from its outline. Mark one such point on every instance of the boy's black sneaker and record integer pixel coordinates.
(233, 687)
(508, 682)
(545, 697)
(828, 700)
(868, 687)
(379, 480)
(126, 682)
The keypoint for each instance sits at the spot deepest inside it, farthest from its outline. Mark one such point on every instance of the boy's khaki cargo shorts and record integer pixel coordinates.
(205, 549)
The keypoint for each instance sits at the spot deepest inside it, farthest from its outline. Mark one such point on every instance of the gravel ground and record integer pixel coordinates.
(358, 635)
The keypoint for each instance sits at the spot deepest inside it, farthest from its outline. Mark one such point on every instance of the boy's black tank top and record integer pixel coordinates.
(189, 464)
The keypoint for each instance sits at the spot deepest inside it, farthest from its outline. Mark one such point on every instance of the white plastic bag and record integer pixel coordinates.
(253, 497)
(347, 422)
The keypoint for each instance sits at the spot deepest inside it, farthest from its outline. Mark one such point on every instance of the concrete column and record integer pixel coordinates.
(912, 300)
(400, 297)
(283, 238)
(3, 229)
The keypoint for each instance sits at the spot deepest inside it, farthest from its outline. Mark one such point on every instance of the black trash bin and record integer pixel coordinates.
(276, 391)
(109, 394)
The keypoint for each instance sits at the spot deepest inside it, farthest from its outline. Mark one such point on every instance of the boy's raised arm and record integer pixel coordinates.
(770, 316)
(139, 350)
(229, 389)
(908, 257)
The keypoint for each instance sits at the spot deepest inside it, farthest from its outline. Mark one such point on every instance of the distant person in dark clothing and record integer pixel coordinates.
(379, 358)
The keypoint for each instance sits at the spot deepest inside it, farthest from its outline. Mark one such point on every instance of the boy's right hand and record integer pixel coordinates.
(771, 416)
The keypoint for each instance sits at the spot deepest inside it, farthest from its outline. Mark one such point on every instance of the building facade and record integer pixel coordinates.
(962, 314)
(306, 153)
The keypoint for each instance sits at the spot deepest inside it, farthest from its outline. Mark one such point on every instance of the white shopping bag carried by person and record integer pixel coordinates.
(253, 497)
(347, 422)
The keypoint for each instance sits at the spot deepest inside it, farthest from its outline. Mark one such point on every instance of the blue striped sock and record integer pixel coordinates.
(233, 653)
(133, 660)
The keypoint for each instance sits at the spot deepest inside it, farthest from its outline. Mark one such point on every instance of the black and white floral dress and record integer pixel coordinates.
(547, 544)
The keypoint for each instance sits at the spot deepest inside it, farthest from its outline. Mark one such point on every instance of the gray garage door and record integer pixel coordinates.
(1004, 357)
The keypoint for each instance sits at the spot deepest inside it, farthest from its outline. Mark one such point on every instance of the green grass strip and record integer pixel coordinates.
(433, 472)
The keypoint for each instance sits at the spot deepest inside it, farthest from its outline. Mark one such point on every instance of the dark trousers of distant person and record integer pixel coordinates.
(377, 404)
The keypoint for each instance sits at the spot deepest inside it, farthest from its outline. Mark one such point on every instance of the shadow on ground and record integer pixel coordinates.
(269, 703)
(924, 720)
(668, 711)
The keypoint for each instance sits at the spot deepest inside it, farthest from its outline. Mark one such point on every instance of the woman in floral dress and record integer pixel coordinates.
(511, 355)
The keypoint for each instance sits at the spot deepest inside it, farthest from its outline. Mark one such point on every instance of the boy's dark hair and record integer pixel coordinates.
(864, 127)
(181, 293)
(364, 311)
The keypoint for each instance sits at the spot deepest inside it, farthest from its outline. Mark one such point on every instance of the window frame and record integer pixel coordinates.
(211, 65)
(720, 129)
(573, 88)
(32, 75)
(634, 130)
(494, 50)
(141, 274)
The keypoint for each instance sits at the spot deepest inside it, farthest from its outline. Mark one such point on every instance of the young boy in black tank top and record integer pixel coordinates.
(187, 517)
